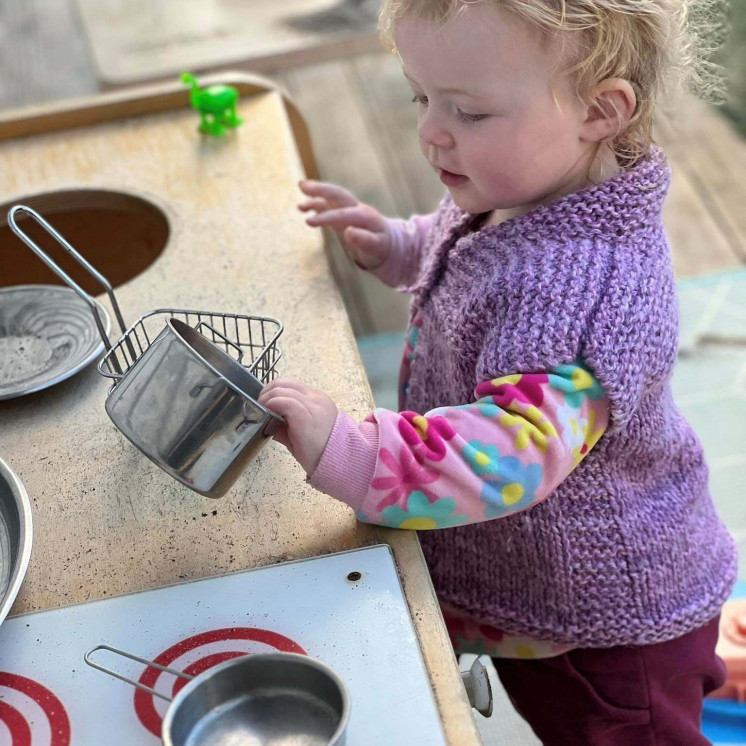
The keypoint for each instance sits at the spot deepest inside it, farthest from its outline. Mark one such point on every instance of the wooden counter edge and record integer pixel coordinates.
(147, 99)
(456, 715)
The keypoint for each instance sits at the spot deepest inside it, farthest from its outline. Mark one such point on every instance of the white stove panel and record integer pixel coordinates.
(360, 627)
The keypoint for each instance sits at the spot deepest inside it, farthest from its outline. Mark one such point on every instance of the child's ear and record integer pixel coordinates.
(610, 105)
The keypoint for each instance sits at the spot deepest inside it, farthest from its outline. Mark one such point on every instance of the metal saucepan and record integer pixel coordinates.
(263, 699)
(15, 536)
(191, 408)
(182, 399)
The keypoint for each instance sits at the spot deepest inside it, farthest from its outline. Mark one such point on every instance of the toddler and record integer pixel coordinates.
(576, 541)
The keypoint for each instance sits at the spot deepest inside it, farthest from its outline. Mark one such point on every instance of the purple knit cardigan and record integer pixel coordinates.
(628, 550)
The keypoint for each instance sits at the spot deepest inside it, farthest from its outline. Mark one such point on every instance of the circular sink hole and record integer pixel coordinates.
(119, 234)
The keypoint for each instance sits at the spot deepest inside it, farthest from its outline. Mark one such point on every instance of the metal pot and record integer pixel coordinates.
(191, 408)
(259, 699)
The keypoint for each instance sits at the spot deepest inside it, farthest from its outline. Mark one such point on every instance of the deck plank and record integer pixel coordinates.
(389, 102)
(140, 40)
(43, 53)
(343, 139)
(706, 146)
(699, 243)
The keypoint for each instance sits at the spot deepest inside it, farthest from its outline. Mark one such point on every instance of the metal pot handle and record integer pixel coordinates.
(240, 356)
(63, 275)
(222, 336)
(145, 661)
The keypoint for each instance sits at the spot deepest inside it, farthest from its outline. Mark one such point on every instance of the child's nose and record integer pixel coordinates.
(433, 134)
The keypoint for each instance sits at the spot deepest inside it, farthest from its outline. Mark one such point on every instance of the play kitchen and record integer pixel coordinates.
(124, 555)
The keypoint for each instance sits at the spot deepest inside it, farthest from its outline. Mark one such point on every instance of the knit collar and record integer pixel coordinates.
(631, 200)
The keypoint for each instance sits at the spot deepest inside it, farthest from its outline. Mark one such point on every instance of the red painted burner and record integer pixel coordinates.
(20, 729)
(144, 704)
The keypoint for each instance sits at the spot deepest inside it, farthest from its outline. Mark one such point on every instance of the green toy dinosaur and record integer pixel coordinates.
(216, 105)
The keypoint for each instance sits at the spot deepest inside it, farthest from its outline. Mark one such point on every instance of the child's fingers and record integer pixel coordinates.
(281, 436)
(362, 238)
(319, 205)
(290, 407)
(279, 381)
(359, 216)
(269, 394)
(282, 391)
(328, 191)
(302, 394)
(285, 382)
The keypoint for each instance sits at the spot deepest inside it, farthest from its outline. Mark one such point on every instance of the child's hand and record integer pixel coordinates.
(363, 231)
(310, 416)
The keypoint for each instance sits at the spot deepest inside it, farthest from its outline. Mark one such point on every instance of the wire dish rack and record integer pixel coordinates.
(250, 340)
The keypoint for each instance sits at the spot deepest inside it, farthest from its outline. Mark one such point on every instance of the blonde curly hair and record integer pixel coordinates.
(660, 46)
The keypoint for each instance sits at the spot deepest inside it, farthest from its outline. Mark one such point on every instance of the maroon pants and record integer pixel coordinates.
(624, 696)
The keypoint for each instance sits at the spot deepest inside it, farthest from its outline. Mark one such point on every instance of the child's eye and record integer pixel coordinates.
(418, 99)
(464, 117)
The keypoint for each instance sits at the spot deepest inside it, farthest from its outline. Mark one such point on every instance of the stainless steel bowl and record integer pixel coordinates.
(15, 536)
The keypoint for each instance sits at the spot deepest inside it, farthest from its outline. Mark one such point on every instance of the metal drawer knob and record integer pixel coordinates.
(478, 688)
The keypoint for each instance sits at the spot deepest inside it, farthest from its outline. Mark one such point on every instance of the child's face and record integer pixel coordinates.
(497, 121)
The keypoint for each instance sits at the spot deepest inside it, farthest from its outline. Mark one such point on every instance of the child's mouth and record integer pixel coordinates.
(451, 179)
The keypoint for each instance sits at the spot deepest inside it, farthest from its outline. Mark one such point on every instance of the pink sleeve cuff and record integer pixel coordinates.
(348, 462)
(401, 266)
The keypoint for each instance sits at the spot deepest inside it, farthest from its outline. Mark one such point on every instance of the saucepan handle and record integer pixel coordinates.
(222, 336)
(15, 210)
(144, 661)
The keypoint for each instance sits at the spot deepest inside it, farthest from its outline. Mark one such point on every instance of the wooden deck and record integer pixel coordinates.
(363, 127)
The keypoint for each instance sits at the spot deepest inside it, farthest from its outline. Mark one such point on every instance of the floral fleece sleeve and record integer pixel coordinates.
(502, 453)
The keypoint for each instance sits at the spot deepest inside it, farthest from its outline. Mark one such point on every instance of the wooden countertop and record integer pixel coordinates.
(106, 520)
